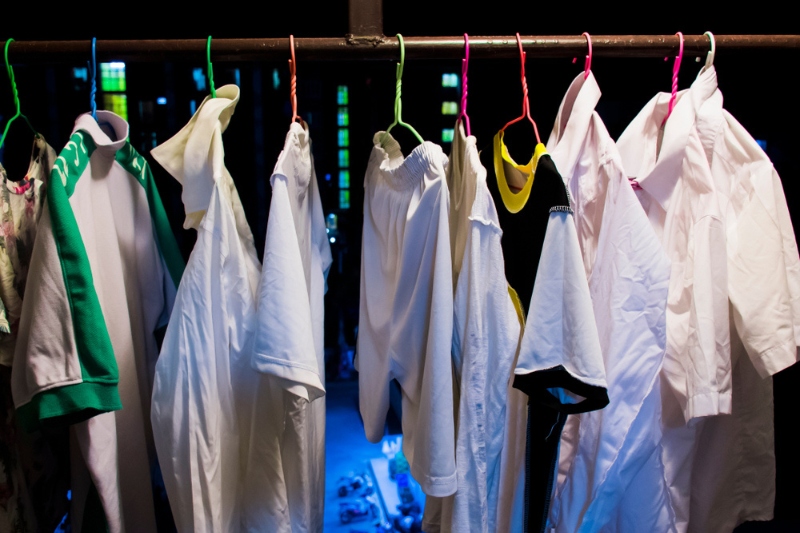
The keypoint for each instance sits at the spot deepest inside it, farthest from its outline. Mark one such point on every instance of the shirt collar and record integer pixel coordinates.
(195, 156)
(117, 125)
(658, 173)
(707, 100)
(572, 123)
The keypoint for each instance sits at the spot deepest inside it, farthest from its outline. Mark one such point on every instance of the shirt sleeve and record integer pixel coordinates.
(485, 339)
(64, 368)
(698, 361)
(760, 278)
(560, 363)
(284, 342)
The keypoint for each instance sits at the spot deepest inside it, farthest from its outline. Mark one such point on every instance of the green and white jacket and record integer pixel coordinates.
(102, 280)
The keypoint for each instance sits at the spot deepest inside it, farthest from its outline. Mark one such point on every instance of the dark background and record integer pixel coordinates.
(760, 90)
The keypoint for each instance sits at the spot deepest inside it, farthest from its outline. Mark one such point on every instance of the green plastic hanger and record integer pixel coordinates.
(14, 91)
(210, 68)
(398, 103)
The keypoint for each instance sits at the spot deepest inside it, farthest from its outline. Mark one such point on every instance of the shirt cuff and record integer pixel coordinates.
(300, 380)
(435, 486)
(708, 404)
(775, 359)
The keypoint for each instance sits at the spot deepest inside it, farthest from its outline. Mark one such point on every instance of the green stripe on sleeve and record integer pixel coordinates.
(69, 404)
(99, 369)
(137, 166)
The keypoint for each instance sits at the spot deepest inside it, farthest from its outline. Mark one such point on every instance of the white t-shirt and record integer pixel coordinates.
(680, 198)
(734, 471)
(486, 333)
(289, 343)
(628, 274)
(406, 313)
(204, 382)
(102, 279)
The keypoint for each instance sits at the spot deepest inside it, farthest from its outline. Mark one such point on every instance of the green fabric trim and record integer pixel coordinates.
(95, 352)
(137, 166)
(70, 403)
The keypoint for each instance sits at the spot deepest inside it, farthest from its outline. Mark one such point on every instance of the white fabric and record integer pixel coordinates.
(511, 501)
(628, 271)
(560, 328)
(486, 333)
(289, 341)
(112, 213)
(406, 312)
(734, 470)
(680, 198)
(200, 412)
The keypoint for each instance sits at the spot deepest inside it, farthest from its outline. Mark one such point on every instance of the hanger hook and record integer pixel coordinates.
(712, 52)
(526, 107)
(587, 66)
(676, 67)
(398, 102)
(293, 79)
(210, 68)
(15, 93)
(93, 91)
(464, 69)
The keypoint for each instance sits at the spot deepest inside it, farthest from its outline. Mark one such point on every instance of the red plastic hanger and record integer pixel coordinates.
(676, 66)
(293, 82)
(587, 65)
(526, 107)
(464, 67)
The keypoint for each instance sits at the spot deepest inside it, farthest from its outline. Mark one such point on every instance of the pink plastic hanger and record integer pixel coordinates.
(676, 67)
(587, 66)
(293, 82)
(464, 67)
(526, 106)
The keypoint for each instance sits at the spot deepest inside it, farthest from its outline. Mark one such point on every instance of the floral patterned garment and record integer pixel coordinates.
(22, 463)
(20, 208)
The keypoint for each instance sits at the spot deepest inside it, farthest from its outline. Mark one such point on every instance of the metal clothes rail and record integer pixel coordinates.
(355, 47)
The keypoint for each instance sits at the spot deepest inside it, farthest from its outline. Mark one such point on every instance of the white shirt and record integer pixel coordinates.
(628, 274)
(99, 286)
(204, 380)
(289, 341)
(680, 198)
(486, 333)
(406, 312)
(682, 204)
(734, 470)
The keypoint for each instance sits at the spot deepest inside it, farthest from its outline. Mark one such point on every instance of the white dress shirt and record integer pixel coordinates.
(204, 381)
(486, 333)
(289, 345)
(734, 469)
(628, 272)
(681, 201)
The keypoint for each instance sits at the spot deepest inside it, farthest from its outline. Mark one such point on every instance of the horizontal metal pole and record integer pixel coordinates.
(386, 48)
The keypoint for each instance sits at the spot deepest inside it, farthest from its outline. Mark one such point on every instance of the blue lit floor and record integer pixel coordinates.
(349, 453)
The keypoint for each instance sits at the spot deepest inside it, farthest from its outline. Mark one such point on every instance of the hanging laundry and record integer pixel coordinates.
(204, 383)
(678, 193)
(628, 274)
(406, 312)
(486, 332)
(289, 342)
(559, 365)
(733, 480)
(102, 279)
(33, 487)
